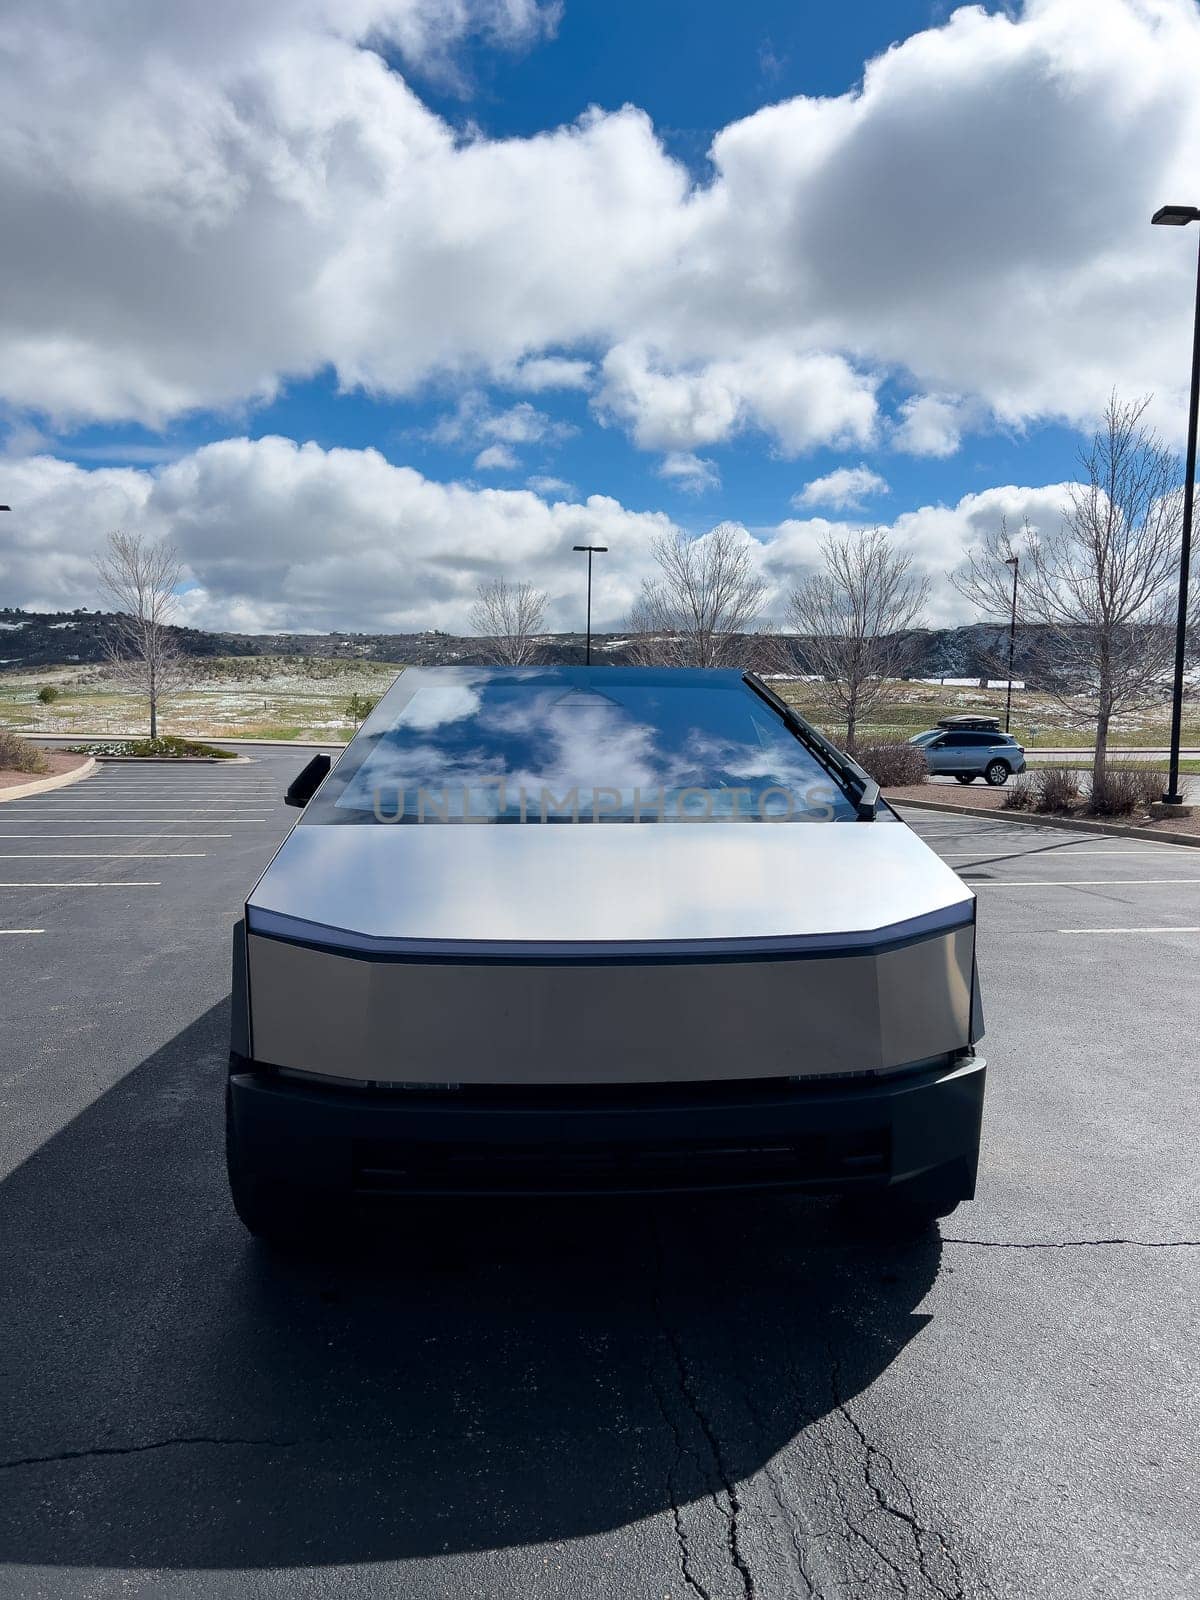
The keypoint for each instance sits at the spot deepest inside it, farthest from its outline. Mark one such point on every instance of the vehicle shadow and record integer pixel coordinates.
(461, 1379)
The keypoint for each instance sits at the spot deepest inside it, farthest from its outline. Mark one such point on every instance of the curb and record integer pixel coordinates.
(1069, 824)
(181, 761)
(60, 780)
(96, 738)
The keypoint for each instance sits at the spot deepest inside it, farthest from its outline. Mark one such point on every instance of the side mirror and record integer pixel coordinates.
(305, 784)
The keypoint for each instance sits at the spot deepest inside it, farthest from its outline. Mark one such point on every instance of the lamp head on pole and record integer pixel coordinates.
(1012, 561)
(1175, 216)
(598, 549)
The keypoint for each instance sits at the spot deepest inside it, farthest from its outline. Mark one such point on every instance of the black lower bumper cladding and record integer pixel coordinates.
(831, 1135)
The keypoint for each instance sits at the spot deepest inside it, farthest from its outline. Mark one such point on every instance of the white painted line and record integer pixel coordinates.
(1129, 930)
(1073, 883)
(161, 836)
(1146, 850)
(111, 883)
(22, 930)
(107, 855)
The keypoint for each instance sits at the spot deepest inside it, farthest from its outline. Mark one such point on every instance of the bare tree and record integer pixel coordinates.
(1100, 588)
(140, 578)
(855, 619)
(707, 596)
(509, 616)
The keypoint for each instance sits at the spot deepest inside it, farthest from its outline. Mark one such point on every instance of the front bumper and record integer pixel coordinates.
(827, 1136)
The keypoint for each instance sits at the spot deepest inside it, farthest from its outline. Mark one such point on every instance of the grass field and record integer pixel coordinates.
(1037, 719)
(305, 697)
(258, 697)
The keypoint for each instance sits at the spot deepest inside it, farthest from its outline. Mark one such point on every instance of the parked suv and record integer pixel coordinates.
(967, 748)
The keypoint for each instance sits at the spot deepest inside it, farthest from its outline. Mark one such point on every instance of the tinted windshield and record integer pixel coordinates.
(561, 749)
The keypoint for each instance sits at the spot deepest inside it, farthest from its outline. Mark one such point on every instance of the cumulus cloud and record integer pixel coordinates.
(843, 489)
(801, 400)
(936, 537)
(203, 200)
(497, 458)
(543, 484)
(474, 420)
(547, 372)
(691, 473)
(277, 535)
(929, 425)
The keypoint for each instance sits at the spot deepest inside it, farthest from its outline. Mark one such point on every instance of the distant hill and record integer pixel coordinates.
(77, 638)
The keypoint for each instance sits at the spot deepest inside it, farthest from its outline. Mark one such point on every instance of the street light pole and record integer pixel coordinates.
(597, 550)
(1179, 217)
(1015, 563)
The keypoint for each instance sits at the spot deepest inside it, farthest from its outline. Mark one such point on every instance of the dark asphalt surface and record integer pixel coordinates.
(744, 1400)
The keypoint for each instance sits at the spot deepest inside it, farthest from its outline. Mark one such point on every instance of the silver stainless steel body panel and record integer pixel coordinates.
(618, 1021)
(560, 953)
(624, 885)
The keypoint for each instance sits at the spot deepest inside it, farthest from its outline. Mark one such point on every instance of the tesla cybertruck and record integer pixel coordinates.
(548, 930)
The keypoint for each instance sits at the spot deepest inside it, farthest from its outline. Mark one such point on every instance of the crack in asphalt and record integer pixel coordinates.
(1077, 1244)
(796, 1530)
(687, 1389)
(681, 1538)
(181, 1441)
(871, 1453)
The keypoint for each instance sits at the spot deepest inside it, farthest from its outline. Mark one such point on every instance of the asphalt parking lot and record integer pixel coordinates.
(738, 1400)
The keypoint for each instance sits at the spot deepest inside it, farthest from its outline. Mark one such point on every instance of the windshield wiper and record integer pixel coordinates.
(859, 785)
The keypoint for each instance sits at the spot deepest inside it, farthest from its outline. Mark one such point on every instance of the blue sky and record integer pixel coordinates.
(687, 257)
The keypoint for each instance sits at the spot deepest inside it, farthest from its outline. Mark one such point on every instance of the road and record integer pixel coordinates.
(738, 1399)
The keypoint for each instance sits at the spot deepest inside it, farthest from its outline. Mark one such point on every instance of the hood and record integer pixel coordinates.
(580, 889)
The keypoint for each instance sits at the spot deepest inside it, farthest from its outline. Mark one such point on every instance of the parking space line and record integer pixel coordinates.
(106, 855)
(22, 930)
(1129, 930)
(163, 836)
(1146, 850)
(109, 883)
(1074, 883)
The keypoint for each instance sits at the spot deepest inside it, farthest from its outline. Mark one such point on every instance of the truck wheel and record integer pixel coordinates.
(282, 1215)
(965, 777)
(996, 773)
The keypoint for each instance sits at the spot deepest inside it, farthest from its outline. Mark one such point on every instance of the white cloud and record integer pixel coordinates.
(936, 537)
(801, 400)
(691, 473)
(202, 200)
(540, 373)
(497, 458)
(930, 425)
(474, 420)
(843, 489)
(277, 535)
(549, 487)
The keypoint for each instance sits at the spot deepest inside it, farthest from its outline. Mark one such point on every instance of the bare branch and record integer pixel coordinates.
(1101, 587)
(855, 620)
(141, 578)
(509, 616)
(708, 596)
